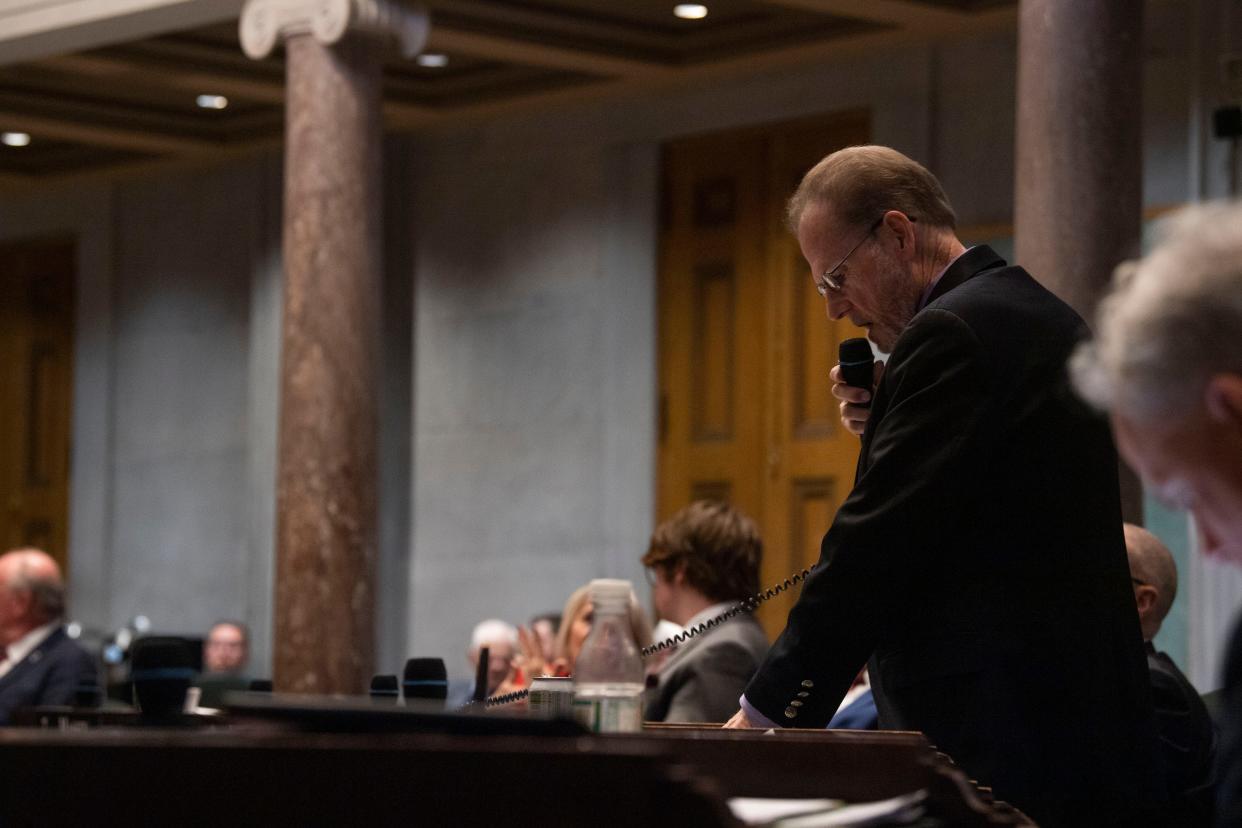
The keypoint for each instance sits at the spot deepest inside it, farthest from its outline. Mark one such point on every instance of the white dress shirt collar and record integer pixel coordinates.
(25, 645)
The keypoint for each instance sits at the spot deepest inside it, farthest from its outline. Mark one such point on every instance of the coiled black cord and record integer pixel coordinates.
(507, 698)
(749, 605)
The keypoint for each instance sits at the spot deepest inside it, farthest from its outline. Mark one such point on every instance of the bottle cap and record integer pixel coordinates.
(610, 592)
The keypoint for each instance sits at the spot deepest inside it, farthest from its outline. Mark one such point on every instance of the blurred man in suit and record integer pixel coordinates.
(1187, 735)
(702, 561)
(226, 652)
(227, 649)
(1166, 364)
(978, 561)
(39, 663)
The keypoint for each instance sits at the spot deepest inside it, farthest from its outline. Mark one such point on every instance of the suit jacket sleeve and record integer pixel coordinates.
(921, 456)
(707, 690)
(64, 676)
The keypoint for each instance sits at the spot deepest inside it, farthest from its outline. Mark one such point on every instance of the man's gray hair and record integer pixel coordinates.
(1171, 320)
(863, 182)
(48, 593)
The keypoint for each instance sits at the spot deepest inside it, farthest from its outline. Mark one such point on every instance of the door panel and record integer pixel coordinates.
(712, 326)
(36, 347)
(745, 346)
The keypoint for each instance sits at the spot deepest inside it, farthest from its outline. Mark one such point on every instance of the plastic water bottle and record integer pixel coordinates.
(608, 675)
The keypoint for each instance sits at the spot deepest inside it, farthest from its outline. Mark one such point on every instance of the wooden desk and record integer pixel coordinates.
(265, 773)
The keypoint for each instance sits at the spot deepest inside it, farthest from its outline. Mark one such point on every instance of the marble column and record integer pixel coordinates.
(1079, 177)
(327, 472)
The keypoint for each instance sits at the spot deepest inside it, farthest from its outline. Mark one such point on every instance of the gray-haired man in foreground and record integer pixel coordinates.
(1167, 365)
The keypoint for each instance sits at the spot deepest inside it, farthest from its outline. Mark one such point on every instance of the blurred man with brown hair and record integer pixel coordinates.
(226, 652)
(702, 561)
(227, 648)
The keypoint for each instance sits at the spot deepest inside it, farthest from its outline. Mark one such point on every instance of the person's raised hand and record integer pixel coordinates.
(530, 659)
(854, 412)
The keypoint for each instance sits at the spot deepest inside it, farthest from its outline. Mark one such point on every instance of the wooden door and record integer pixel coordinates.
(745, 346)
(36, 348)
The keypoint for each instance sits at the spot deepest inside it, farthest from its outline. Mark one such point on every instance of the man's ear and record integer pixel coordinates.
(679, 574)
(24, 600)
(900, 225)
(1145, 597)
(1223, 399)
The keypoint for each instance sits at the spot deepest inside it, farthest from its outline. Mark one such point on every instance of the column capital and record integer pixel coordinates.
(264, 22)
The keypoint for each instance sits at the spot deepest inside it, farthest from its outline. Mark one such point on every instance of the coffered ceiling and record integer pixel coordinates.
(121, 102)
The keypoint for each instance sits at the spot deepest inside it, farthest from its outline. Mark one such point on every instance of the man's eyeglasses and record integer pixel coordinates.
(833, 281)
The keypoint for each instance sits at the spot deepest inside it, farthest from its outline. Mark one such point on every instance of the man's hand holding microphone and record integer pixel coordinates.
(854, 379)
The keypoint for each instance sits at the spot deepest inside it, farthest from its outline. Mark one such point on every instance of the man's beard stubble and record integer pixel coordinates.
(897, 301)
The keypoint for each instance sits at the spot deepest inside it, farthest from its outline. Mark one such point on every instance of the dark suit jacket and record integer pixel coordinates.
(1229, 754)
(1187, 740)
(702, 680)
(979, 562)
(49, 674)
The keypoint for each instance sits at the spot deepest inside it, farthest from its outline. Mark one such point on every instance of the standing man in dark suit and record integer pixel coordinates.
(978, 561)
(702, 561)
(39, 664)
(1187, 735)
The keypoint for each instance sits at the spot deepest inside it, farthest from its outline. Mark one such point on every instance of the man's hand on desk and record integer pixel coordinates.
(739, 720)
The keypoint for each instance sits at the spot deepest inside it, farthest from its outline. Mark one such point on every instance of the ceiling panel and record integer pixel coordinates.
(966, 5)
(48, 157)
(135, 101)
(647, 29)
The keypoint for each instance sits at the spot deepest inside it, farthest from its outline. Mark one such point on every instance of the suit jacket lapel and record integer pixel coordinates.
(968, 265)
(971, 263)
(33, 657)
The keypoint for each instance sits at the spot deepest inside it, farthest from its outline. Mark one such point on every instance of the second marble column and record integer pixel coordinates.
(327, 475)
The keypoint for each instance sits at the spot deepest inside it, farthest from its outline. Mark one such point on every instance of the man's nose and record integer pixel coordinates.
(836, 306)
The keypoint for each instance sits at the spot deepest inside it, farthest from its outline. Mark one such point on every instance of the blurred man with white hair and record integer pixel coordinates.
(1167, 365)
(501, 640)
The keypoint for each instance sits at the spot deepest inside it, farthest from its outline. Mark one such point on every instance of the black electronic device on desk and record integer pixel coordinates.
(318, 714)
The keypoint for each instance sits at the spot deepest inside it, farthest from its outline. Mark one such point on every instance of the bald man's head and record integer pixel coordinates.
(1155, 575)
(32, 592)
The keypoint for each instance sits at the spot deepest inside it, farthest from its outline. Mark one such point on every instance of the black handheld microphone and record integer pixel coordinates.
(425, 678)
(161, 668)
(857, 365)
(480, 676)
(385, 689)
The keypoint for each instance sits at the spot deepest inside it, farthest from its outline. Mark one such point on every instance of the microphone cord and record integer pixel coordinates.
(749, 605)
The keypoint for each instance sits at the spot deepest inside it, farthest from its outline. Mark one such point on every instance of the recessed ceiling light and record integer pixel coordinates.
(212, 101)
(690, 11)
(433, 60)
(15, 139)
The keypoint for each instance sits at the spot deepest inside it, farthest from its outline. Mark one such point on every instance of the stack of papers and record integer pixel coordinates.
(828, 813)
